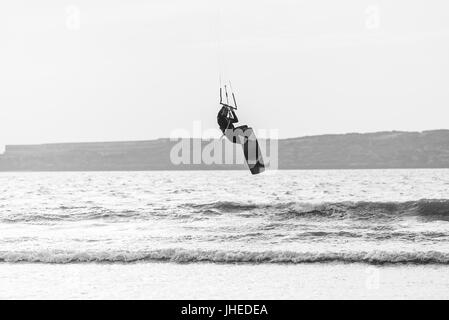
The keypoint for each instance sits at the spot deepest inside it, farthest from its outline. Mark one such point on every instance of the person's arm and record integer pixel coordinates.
(234, 117)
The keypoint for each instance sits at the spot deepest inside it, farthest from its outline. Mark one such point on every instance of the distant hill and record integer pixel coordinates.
(428, 149)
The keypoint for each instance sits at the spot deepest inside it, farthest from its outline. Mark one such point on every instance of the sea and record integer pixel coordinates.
(225, 234)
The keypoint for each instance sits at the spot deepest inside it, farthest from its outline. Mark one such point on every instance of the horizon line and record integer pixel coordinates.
(211, 138)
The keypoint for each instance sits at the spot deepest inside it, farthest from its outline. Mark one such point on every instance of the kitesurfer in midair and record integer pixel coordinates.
(242, 135)
(226, 118)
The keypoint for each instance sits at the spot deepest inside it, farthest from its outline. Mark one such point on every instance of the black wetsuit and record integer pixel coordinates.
(226, 119)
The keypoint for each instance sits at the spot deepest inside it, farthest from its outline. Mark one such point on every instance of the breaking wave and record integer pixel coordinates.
(426, 208)
(227, 257)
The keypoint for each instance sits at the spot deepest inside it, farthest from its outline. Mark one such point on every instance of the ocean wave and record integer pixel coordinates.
(431, 209)
(426, 209)
(70, 214)
(224, 206)
(227, 257)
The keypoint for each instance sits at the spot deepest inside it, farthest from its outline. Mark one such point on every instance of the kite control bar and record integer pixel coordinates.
(227, 104)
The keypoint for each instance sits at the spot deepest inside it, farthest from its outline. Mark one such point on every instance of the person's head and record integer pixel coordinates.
(224, 111)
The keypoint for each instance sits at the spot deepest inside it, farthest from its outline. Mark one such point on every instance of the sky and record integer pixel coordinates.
(109, 70)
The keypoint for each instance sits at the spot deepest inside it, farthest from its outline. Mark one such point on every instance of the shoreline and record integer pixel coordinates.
(150, 280)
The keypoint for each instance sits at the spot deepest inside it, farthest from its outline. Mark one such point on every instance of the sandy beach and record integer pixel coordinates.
(215, 281)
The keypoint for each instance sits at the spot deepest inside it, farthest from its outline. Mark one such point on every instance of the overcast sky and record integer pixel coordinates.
(102, 70)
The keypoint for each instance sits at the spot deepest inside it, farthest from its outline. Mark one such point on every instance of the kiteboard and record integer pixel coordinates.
(252, 152)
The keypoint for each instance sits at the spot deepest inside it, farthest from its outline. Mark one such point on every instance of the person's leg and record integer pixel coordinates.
(230, 135)
(242, 128)
(243, 133)
(236, 135)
